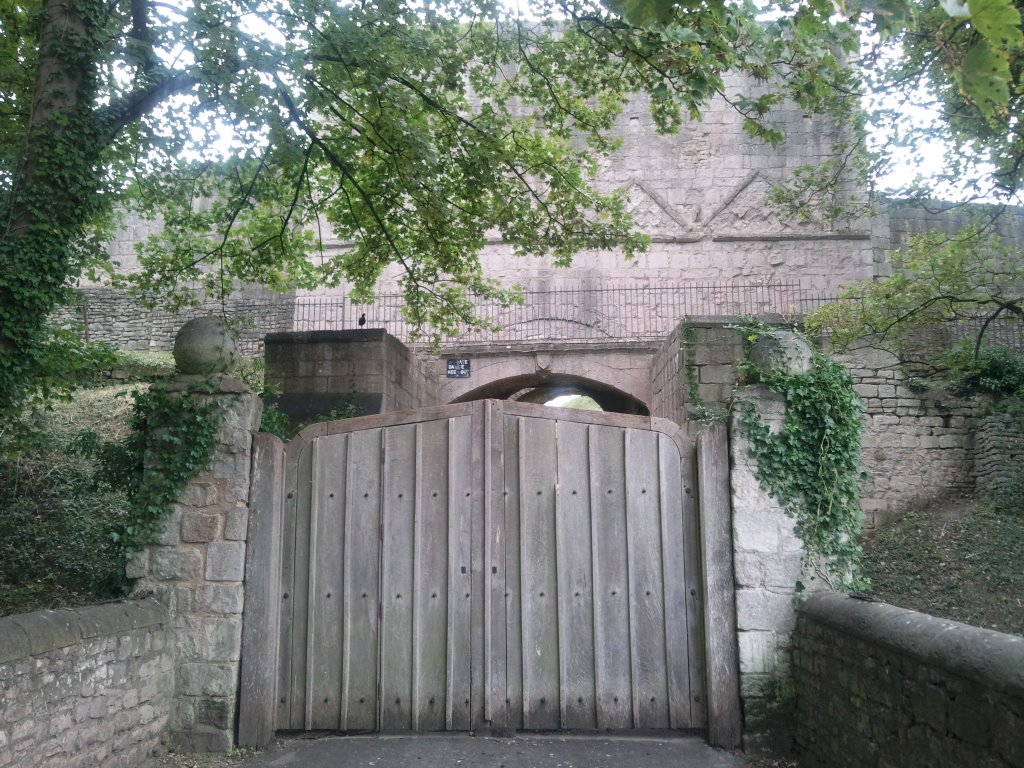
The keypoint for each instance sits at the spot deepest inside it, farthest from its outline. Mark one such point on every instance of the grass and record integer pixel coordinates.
(967, 569)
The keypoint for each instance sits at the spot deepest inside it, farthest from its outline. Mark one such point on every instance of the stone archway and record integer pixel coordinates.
(540, 387)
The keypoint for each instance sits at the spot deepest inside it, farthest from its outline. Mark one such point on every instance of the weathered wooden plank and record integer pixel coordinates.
(482, 501)
(327, 529)
(647, 626)
(286, 630)
(360, 644)
(575, 579)
(693, 576)
(724, 716)
(513, 693)
(613, 682)
(261, 617)
(384, 420)
(430, 660)
(494, 570)
(461, 455)
(297, 593)
(675, 557)
(396, 657)
(538, 573)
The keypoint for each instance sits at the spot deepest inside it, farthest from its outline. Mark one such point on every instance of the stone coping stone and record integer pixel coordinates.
(994, 659)
(325, 337)
(212, 384)
(31, 634)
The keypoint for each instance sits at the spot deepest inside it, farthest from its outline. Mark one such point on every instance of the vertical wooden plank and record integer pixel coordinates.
(646, 587)
(430, 607)
(679, 591)
(575, 579)
(362, 579)
(482, 500)
(495, 578)
(400, 473)
(297, 595)
(513, 573)
(694, 577)
(460, 510)
(538, 573)
(724, 717)
(326, 594)
(611, 599)
(257, 704)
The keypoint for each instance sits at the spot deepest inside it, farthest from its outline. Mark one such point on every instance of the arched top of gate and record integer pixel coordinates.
(670, 429)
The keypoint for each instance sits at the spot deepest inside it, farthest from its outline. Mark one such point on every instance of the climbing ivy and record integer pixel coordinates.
(811, 465)
(173, 437)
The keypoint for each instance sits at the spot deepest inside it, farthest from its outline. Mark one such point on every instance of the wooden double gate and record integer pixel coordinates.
(484, 564)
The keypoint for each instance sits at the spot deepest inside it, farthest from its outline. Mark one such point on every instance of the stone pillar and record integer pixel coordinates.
(196, 568)
(768, 561)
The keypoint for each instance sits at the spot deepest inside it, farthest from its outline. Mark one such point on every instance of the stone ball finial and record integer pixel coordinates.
(782, 352)
(204, 345)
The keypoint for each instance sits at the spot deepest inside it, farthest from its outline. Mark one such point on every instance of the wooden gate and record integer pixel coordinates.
(479, 564)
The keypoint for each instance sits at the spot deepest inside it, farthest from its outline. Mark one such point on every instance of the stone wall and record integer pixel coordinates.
(917, 447)
(318, 371)
(668, 379)
(884, 687)
(114, 317)
(999, 454)
(196, 568)
(85, 687)
(768, 563)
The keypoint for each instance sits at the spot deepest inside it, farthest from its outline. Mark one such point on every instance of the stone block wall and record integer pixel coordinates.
(917, 447)
(114, 317)
(317, 371)
(85, 687)
(768, 563)
(998, 453)
(197, 567)
(884, 687)
(668, 379)
(696, 364)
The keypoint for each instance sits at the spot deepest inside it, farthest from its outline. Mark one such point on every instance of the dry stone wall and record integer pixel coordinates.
(85, 687)
(884, 687)
(999, 454)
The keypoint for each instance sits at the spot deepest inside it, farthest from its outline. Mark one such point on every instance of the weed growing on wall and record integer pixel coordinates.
(811, 465)
(703, 412)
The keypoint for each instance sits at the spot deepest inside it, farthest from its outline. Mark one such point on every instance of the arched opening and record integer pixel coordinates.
(546, 387)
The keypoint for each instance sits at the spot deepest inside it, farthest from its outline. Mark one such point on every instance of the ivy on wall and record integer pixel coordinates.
(811, 466)
(173, 437)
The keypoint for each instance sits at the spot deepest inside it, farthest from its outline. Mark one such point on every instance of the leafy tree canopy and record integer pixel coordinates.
(970, 279)
(409, 128)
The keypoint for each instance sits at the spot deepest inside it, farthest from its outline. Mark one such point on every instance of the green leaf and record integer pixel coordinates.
(984, 79)
(998, 21)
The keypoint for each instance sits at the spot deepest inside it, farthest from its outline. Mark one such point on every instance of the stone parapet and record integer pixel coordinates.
(85, 687)
(883, 687)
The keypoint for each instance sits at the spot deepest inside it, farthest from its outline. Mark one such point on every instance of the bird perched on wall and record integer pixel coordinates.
(362, 320)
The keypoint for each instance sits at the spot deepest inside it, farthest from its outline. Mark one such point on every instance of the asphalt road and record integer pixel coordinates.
(520, 751)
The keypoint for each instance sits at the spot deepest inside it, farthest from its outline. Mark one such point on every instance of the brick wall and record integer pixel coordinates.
(85, 687)
(998, 453)
(884, 687)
